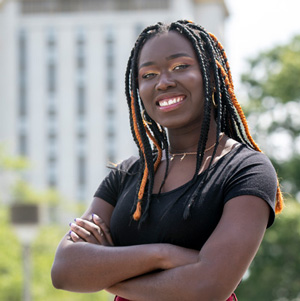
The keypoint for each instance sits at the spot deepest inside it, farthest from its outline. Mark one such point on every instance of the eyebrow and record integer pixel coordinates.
(171, 57)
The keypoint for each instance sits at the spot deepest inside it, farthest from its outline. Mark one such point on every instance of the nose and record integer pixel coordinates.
(165, 81)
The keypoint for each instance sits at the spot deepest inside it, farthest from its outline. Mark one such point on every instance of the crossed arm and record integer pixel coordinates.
(88, 262)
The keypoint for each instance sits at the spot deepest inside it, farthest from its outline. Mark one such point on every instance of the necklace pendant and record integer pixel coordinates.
(183, 157)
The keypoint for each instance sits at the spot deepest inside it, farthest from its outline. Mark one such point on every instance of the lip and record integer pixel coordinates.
(167, 102)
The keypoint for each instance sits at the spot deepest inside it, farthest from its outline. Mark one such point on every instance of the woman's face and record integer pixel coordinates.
(170, 81)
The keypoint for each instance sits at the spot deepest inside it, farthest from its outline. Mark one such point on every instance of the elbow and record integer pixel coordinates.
(212, 290)
(57, 277)
(61, 275)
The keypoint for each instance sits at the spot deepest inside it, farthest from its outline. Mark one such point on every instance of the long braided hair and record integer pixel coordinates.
(229, 116)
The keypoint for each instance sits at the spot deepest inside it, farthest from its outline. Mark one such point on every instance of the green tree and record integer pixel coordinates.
(273, 86)
(275, 271)
(10, 260)
(272, 83)
(43, 249)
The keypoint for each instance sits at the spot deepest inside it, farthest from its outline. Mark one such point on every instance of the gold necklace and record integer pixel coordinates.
(172, 156)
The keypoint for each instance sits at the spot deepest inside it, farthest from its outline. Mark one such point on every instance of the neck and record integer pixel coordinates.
(186, 140)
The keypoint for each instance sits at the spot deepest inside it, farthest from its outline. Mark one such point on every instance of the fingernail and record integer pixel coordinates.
(70, 233)
(75, 220)
(70, 224)
(95, 216)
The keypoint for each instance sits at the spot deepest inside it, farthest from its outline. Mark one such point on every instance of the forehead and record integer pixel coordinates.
(164, 45)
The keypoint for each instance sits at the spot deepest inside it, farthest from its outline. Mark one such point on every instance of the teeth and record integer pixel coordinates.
(170, 101)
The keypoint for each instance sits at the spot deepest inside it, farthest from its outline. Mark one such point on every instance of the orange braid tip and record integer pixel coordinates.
(279, 201)
(138, 211)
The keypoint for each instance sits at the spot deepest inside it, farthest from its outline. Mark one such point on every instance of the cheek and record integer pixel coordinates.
(145, 92)
(195, 78)
(195, 84)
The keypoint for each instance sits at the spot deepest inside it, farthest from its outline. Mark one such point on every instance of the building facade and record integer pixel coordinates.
(62, 101)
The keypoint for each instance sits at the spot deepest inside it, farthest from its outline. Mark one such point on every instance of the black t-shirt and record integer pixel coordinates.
(242, 171)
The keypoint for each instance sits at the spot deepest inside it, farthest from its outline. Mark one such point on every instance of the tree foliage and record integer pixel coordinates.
(42, 255)
(272, 83)
(42, 250)
(275, 271)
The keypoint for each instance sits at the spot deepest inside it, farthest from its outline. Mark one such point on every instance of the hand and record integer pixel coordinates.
(94, 231)
(176, 256)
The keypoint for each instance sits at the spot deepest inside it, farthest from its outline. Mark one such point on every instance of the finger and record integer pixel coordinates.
(99, 221)
(74, 237)
(82, 233)
(93, 229)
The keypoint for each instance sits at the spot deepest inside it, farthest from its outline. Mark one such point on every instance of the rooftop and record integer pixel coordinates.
(71, 6)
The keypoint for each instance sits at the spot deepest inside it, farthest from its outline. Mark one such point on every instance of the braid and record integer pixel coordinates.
(237, 106)
(205, 124)
(279, 197)
(229, 116)
(141, 133)
(224, 56)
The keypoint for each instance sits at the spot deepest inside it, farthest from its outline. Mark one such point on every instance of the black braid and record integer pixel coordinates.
(205, 124)
(146, 157)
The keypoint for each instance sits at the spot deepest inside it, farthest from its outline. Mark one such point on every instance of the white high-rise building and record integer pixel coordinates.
(62, 101)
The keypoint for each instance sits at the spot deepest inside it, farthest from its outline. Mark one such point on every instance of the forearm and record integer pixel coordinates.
(189, 282)
(85, 267)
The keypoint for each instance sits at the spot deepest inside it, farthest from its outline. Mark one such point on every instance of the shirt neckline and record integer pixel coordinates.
(219, 161)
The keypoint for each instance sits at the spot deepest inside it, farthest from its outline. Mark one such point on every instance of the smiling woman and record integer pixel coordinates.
(184, 220)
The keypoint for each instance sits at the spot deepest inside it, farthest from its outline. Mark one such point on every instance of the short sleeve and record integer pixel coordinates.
(111, 186)
(254, 175)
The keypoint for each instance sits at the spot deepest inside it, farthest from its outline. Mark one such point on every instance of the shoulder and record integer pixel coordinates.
(243, 156)
(113, 183)
(251, 173)
(128, 165)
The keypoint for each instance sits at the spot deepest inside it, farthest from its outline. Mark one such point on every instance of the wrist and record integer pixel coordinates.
(163, 256)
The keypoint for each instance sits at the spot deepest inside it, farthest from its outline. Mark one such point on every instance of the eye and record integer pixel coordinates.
(181, 67)
(148, 75)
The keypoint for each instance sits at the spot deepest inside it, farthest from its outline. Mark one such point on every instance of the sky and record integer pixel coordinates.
(255, 26)
(258, 25)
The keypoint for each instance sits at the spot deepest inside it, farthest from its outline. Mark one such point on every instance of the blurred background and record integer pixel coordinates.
(63, 118)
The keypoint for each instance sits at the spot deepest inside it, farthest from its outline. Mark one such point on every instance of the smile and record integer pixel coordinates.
(170, 101)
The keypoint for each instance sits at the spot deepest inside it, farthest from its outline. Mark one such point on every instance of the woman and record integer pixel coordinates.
(185, 219)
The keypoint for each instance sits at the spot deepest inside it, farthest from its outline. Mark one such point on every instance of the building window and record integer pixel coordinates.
(110, 61)
(81, 100)
(23, 144)
(51, 73)
(80, 51)
(52, 144)
(51, 77)
(51, 61)
(22, 51)
(22, 101)
(22, 97)
(110, 95)
(52, 171)
(81, 171)
(22, 108)
(80, 54)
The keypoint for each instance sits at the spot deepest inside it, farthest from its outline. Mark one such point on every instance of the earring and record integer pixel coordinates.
(144, 119)
(213, 98)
